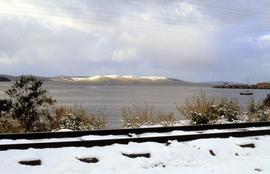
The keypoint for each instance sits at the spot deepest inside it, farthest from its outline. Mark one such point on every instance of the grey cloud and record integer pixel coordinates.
(194, 40)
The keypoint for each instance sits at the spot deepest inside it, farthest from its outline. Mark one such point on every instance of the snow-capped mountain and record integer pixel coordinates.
(123, 80)
(118, 77)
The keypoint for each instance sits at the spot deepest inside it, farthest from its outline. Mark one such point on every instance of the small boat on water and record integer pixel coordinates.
(246, 92)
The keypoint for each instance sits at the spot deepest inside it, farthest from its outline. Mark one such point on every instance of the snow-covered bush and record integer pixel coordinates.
(76, 118)
(258, 111)
(259, 115)
(203, 110)
(230, 111)
(131, 122)
(199, 118)
(74, 122)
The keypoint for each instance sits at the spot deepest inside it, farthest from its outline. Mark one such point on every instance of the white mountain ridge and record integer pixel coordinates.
(118, 77)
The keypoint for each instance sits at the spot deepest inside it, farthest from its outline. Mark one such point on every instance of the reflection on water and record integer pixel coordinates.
(113, 98)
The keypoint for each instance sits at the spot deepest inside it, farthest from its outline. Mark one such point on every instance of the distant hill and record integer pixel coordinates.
(123, 80)
(13, 78)
(110, 80)
(4, 79)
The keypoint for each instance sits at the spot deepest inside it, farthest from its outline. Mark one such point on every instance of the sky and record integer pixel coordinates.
(193, 40)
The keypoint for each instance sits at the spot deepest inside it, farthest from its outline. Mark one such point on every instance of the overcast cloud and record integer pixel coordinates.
(192, 40)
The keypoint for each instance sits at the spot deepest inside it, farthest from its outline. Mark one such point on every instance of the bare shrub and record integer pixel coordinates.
(266, 101)
(166, 119)
(139, 115)
(9, 125)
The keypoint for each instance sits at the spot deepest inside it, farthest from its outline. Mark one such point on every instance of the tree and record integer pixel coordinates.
(29, 103)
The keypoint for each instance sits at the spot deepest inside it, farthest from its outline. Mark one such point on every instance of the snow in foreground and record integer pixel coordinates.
(217, 156)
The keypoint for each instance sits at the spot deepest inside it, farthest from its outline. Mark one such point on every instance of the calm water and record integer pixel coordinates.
(113, 98)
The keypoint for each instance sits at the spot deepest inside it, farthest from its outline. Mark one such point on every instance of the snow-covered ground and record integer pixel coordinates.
(222, 156)
(204, 156)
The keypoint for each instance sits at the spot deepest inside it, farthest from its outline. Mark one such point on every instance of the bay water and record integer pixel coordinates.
(111, 99)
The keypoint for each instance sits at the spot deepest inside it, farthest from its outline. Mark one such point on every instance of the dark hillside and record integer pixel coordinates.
(4, 79)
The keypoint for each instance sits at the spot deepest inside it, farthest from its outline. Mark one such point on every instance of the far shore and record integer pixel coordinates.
(265, 85)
